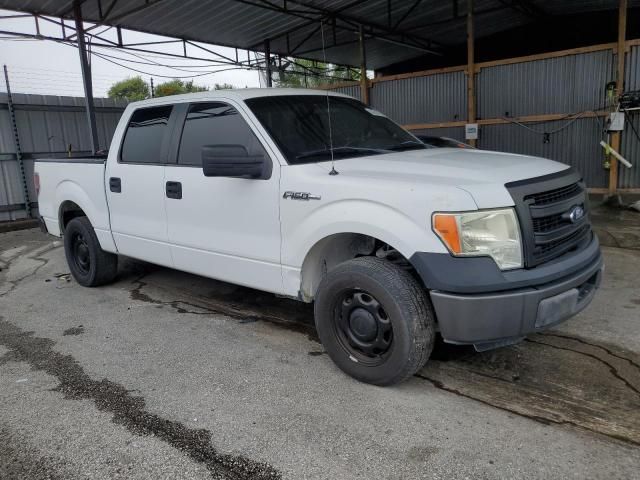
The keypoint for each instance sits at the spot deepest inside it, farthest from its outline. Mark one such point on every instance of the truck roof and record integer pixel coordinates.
(239, 94)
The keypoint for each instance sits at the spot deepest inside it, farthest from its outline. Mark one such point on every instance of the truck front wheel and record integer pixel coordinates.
(89, 264)
(375, 320)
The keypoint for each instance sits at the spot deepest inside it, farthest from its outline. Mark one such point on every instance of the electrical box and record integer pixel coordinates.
(616, 121)
(630, 100)
(471, 131)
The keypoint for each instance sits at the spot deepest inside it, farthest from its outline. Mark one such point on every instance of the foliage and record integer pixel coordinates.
(222, 86)
(309, 73)
(177, 87)
(132, 89)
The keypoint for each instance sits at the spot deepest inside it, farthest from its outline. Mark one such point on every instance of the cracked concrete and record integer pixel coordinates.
(134, 370)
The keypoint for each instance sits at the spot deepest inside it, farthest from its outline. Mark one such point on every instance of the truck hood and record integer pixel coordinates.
(481, 173)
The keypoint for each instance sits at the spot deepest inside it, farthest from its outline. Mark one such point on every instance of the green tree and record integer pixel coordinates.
(176, 87)
(132, 89)
(222, 86)
(309, 73)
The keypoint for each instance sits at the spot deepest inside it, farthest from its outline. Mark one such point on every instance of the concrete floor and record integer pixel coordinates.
(169, 375)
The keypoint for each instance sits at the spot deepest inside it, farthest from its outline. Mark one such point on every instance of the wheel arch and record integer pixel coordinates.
(72, 197)
(333, 227)
(73, 201)
(335, 249)
(67, 211)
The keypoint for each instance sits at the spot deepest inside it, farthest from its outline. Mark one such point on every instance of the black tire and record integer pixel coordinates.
(365, 290)
(89, 264)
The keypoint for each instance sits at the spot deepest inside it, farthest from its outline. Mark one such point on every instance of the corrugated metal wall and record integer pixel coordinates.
(432, 98)
(561, 85)
(351, 90)
(577, 145)
(47, 125)
(569, 84)
(630, 148)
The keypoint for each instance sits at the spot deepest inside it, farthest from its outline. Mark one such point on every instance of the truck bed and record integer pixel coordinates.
(64, 181)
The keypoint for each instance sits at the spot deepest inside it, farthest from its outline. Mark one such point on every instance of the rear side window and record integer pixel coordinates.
(145, 133)
(214, 123)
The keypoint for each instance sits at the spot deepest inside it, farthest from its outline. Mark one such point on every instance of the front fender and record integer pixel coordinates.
(377, 220)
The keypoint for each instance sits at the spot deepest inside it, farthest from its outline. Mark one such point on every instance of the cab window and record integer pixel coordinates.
(145, 134)
(214, 123)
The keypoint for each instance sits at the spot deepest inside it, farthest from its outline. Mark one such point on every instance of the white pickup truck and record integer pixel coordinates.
(315, 196)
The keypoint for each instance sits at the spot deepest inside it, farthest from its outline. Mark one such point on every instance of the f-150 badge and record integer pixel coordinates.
(300, 196)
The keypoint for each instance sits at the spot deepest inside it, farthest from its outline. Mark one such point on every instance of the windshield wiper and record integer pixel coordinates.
(339, 151)
(408, 145)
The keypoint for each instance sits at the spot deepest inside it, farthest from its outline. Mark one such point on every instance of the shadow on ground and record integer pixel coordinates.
(551, 377)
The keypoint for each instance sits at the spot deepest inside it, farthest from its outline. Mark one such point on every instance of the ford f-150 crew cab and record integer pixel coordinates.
(316, 196)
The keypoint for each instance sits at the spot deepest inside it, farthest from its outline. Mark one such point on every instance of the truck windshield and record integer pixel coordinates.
(299, 124)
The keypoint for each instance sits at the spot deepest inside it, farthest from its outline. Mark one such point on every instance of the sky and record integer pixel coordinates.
(50, 68)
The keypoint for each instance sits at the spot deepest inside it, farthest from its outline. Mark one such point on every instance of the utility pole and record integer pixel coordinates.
(153, 92)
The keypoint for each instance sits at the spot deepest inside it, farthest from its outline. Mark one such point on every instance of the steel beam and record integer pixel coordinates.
(86, 78)
(351, 24)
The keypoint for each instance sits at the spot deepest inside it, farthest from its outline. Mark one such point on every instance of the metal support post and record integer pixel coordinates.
(86, 78)
(471, 69)
(615, 136)
(16, 144)
(267, 59)
(364, 83)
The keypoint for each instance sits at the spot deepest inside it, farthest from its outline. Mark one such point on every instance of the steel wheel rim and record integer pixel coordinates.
(81, 253)
(363, 327)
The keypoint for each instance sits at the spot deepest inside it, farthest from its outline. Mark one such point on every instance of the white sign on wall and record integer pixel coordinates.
(471, 131)
(616, 121)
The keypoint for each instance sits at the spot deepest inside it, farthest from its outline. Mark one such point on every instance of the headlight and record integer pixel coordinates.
(493, 233)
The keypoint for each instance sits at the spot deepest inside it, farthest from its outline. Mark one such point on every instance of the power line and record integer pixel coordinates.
(163, 76)
(138, 62)
(152, 62)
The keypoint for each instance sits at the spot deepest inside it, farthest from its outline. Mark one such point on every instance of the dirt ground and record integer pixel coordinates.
(170, 375)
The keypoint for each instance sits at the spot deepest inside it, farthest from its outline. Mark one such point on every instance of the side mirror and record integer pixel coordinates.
(233, 161)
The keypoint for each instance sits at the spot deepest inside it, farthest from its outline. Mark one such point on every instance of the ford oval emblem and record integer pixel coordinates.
(576, 213)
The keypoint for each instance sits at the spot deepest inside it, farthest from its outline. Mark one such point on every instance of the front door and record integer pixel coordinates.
(223, 228)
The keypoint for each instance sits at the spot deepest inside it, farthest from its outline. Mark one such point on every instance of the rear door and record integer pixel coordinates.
(135, 186)
(224, 228)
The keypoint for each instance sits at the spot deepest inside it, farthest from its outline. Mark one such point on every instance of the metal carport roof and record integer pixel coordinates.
(395, 30)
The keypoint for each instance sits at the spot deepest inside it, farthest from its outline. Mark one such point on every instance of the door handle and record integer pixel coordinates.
(115, 185)
(174, 190)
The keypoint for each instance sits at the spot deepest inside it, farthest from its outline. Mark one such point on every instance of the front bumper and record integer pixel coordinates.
(496, 317)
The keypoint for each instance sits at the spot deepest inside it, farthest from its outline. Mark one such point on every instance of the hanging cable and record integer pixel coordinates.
(105, 58)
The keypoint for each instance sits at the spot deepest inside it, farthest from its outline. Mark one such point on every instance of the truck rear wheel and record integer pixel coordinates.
(374, 320)
(89, 264)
